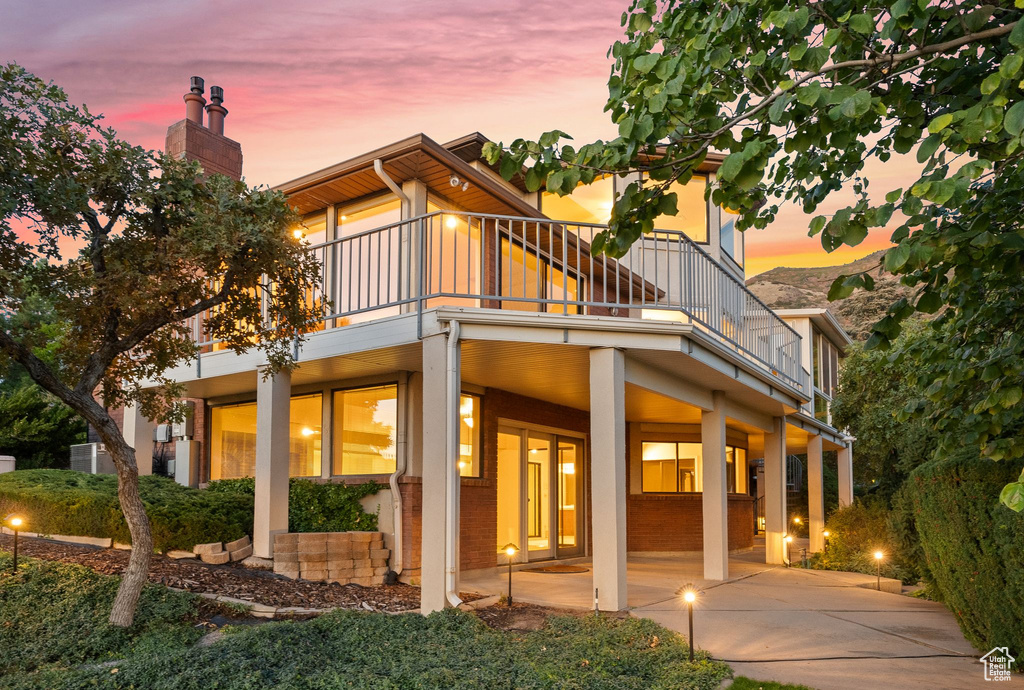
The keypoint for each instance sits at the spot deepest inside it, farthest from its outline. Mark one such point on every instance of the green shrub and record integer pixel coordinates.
(56, 614)
(973, 545)
(75, 503)
(855, 533)
(315, 506)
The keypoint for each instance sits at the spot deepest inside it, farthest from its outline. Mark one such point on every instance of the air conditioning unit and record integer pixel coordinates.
(91, 458)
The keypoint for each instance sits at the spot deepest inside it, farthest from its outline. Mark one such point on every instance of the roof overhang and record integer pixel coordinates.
(825, 321)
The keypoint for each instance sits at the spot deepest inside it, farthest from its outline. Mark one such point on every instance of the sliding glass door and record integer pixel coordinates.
(540, 493)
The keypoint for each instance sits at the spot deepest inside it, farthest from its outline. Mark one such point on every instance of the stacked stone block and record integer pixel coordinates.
(343, 557)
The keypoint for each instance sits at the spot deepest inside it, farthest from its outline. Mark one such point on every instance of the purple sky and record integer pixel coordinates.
(319, 82)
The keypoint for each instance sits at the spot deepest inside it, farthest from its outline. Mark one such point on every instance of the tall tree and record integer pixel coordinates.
(158, 245)
(875, 388)
(801, 96)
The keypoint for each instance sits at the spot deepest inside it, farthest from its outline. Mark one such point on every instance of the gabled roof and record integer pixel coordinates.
(418, 157)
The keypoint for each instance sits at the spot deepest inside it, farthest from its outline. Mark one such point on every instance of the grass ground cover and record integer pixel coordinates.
(54, 633)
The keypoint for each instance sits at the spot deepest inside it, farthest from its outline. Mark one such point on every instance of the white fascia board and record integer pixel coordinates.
(611, 331)
(813, 426)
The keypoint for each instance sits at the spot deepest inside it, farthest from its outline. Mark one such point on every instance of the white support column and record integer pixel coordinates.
(138, 432)
(845, 468)
(608, 475)
(715, 498)
(815, 495)
(270, 516)
(435, 449)
(775, 493)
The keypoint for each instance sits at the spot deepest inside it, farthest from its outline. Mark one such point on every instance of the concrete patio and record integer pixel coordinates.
(816, 628)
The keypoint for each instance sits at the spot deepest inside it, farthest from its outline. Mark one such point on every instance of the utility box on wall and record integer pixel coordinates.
(186, 463)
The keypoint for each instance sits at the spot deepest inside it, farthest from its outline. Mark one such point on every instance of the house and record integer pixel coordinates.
(508, 386)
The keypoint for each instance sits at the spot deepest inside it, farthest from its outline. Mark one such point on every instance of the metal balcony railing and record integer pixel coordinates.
(455, 258)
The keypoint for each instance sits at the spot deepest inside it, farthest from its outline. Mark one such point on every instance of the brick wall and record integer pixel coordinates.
(215, 152)
(658, 522)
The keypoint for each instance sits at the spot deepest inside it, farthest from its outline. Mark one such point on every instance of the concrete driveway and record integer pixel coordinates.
(812, 627)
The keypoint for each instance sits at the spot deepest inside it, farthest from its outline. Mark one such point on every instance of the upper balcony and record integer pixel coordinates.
(524, 264)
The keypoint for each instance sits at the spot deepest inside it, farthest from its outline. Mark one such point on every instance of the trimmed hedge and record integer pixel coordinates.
(315, 506)
(973, 545)
(79, 504)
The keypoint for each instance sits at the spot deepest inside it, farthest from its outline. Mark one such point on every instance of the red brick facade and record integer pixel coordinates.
(654, 522)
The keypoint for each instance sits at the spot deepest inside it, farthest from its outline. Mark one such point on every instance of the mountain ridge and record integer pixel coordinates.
(802, 288)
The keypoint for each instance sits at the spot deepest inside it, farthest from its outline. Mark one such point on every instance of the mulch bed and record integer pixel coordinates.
(522, 617)
(233, 580)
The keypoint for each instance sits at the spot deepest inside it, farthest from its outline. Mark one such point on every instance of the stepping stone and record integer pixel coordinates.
(207, 549)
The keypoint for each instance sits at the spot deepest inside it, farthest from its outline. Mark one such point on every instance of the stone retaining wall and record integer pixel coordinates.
(343, 557)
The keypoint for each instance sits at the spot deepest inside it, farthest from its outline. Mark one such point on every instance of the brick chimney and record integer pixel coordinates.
(190, 139)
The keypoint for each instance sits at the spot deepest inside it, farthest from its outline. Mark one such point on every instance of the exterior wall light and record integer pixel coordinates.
(690, 596)
(15, 522)
(510, 550)
(298, 234)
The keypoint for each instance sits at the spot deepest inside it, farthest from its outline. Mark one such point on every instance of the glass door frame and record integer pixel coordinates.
(552, 435)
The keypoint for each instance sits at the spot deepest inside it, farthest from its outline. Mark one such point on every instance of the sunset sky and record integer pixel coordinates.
(309, 84)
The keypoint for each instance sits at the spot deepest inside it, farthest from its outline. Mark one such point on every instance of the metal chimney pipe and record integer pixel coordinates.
(194, 101)
(216, 111)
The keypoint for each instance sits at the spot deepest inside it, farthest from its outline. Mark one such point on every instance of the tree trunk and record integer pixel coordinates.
(135, 576)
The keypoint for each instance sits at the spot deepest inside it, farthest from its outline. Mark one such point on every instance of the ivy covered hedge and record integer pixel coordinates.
(312, 506)
(79, 504)
(973, 545)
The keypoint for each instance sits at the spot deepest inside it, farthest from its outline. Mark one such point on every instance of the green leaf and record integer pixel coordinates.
(1012, 496)
(928, 147)
(1014, 120)
(720, 57)
(509, 167)
(808, 95)
(840, 289)
(817, 225)
(929, 303)
(1017, 35)
(731, 166)
(1010, 65)
(856, 105)
(862, 23)
(940, 123)
(645, 63)
(896, 257)
(894, 196)
(991, 83)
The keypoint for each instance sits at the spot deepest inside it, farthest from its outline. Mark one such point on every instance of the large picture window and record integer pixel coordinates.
(524, 274)
(691, 217)
(233, 438)
(590, 203)
(670, 467)
(365, 430)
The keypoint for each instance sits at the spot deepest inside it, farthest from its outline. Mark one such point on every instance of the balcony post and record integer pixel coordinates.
(273, 410)
(775, 492)
(714, 497)
(845, 467)
(608, 475)
(815, 494)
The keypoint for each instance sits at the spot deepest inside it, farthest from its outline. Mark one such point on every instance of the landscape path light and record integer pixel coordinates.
(690, 596)
(878, 570)
(789, 540)
(510, 550)
(15, 521)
